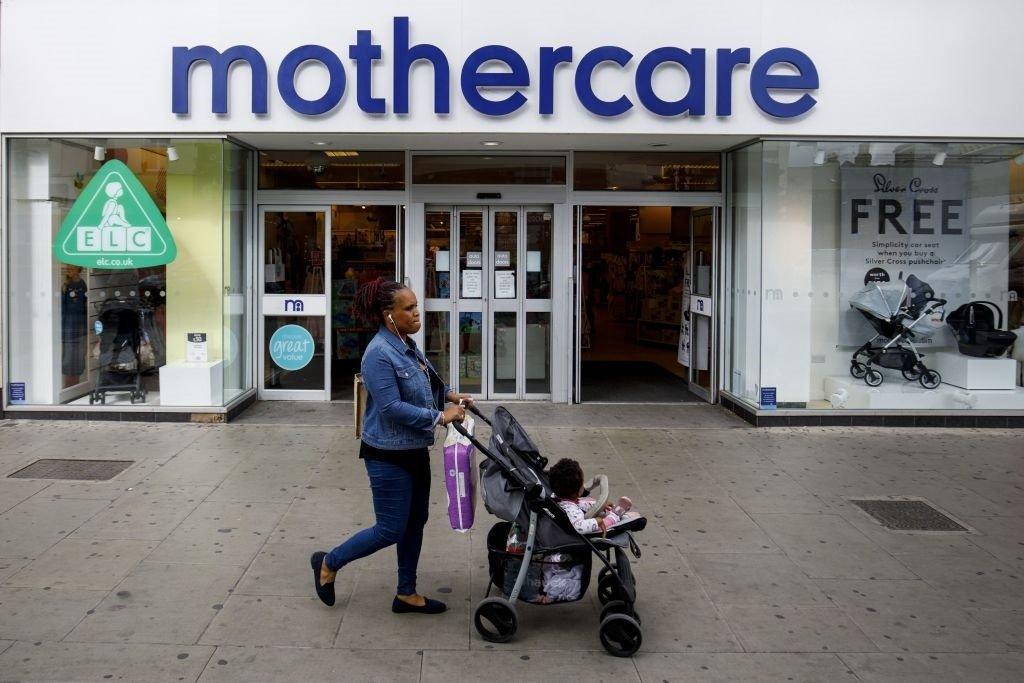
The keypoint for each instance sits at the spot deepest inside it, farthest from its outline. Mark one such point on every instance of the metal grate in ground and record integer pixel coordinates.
(908, 515)
(82, 470)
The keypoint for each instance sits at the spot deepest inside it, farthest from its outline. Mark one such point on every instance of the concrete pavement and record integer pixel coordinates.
(193, 563)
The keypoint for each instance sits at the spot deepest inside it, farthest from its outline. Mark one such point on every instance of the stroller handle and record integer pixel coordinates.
(476, 411)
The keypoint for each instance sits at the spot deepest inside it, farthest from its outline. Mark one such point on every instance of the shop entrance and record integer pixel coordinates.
(646, 304)
(487, 291)
(314, 259)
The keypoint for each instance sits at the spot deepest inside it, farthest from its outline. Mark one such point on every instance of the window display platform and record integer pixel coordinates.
(898, 394)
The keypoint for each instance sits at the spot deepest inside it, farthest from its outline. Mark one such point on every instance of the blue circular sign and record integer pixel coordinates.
(291, 347)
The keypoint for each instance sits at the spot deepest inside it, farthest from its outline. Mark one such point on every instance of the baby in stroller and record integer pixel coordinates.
(566, 478)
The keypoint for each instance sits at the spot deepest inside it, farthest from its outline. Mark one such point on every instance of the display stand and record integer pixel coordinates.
(192, 384)
(968, 372)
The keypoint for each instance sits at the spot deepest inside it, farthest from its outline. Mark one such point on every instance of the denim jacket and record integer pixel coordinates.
(401, 407)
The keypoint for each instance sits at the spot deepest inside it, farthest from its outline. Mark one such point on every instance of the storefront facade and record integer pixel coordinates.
(714, 206)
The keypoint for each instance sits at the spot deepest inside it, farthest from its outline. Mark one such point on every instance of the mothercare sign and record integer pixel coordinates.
(114, 225)
(898, 222)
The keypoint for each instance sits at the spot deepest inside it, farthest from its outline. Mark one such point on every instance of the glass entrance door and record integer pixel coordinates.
(488, 299)
(294, 242)
(703, 230)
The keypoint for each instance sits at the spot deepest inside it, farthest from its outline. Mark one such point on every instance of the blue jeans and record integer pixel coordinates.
(400, 503)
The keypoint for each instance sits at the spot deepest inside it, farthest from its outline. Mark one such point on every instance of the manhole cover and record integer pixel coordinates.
(908, 515)
(89, 470)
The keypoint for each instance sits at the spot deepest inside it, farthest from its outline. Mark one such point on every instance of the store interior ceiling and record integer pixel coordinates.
(475, 141)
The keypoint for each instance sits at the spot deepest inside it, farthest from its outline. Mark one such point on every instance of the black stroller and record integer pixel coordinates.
(515, 488)
(120, 342)
(898, 312)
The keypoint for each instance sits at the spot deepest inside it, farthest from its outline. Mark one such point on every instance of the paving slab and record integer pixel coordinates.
(160, 603)
(911, 616)
(1001, 536)
(977, 580)
(13, 491)
(39, 614)
(928, 668)
(282, 569)
(369, 623)
(273, 664)
(728, 667)
(1006, 624)
(145, 513)
(275, 621)
(30, 528)
(827, 546)
(83, 564)
(752, 580)
(796, 629)
(219, 532)
(47, 661)
(525, 665)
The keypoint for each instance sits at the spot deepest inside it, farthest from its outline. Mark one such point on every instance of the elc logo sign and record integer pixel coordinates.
(782, 70)
(114, 225)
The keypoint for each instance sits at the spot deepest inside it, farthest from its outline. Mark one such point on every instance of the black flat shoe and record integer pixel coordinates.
(399, 606)
(324, 591)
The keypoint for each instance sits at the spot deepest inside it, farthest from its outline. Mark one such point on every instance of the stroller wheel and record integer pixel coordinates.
(619, 607)
(911, 375)
(873, 377)
(621, 635)
(930, 379)
(495, 620)
(858, 369)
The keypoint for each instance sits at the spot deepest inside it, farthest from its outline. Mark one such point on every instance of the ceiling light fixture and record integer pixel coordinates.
(99, 152)
(491, 143)
(658, 144)
(321, 143)
(172, 153)
(819, 157)
(939, 159)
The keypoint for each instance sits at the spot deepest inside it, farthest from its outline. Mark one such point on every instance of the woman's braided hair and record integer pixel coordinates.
(373, 297)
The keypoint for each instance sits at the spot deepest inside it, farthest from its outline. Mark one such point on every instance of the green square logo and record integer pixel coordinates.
(114, 225)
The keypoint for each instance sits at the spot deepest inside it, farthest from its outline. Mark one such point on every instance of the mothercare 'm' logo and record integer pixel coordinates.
(114, 224)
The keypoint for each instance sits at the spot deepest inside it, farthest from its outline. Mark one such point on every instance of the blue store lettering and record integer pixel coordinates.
(477, 77)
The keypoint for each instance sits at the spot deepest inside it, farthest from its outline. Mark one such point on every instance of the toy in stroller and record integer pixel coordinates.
(120, 329)
(898, 312)
(551, 563)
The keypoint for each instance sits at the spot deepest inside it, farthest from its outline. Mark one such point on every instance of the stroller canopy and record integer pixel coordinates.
(880, 299)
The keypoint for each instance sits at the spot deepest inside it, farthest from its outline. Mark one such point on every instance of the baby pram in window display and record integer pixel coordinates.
(899, 312)
(535, 554)
(121, 359)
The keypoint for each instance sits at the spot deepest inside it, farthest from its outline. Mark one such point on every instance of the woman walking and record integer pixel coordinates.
(405, 404)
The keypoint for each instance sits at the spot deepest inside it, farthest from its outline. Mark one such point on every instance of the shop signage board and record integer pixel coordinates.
(504, 284)
(196, 348)
(291, 347)
(16, 393)
(768, 398)
(114, 225)
(903, 221)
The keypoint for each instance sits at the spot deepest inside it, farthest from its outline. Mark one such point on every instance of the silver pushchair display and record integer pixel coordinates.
(535, 554)
(899, 312)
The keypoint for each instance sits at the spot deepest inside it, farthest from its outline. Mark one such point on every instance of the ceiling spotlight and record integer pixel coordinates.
(819, 157)
(658, 144)
(99, 153)
(939, 159)
(490, 143)
(321, 143)
(172, 153)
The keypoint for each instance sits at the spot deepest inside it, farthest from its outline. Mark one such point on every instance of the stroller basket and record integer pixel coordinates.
(553, 573)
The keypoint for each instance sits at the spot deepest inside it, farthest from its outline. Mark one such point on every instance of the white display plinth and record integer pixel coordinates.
(968, 372)
(192, 384)
(898, 394)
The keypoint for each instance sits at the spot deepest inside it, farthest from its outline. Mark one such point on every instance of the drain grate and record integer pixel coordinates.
(908, 515)
(84, 470)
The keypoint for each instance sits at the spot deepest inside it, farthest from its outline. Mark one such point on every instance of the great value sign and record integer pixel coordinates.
(781, 70)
